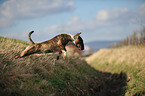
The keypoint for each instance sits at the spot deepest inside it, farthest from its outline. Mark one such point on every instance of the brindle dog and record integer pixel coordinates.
(57, 43)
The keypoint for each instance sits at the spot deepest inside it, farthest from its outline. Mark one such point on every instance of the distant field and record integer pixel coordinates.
(129, 60)
(96, 45)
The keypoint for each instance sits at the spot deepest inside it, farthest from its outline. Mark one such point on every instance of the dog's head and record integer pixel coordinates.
(79, 41)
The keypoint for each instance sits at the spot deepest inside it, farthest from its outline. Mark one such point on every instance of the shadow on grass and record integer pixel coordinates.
(114, 84)
(110, 84)
(62, 78)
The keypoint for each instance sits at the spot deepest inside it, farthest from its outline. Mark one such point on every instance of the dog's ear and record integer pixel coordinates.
(77, 35)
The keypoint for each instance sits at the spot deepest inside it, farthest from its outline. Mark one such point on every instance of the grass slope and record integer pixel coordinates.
(129, 59)
(43, 75)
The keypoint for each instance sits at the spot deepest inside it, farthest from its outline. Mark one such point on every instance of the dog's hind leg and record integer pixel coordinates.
(29, 50)
(25, 51)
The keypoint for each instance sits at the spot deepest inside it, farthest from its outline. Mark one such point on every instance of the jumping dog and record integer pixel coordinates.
(57, 43)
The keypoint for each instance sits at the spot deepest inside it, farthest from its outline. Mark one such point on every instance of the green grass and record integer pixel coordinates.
(43, 75)
(129, 60)
(108, 72)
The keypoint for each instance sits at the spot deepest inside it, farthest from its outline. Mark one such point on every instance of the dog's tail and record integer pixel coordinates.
(29, 36)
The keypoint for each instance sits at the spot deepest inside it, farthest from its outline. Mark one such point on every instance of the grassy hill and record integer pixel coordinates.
(108, 72)
(43, 75)
(129, 60)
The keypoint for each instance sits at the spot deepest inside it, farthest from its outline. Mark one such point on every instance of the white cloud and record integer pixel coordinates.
(74, 25)
(111, 14)
(75, 19)
(106, 22)
(23, 9)
(4, 22)
(102, 15)
(104, 18)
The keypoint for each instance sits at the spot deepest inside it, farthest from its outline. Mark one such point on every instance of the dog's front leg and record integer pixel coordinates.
(60, 52)
(64, 53)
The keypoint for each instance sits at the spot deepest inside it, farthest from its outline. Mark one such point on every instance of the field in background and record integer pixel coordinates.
(127, 59)
(42, 74)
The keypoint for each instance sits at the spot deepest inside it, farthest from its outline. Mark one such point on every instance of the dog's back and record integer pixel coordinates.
(55, 44)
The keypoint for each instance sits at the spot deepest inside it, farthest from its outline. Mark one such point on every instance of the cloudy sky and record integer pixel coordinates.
(96, 19)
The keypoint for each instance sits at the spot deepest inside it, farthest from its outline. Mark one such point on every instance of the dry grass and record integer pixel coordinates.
(128, 59)
(43, 75)
(130, 54)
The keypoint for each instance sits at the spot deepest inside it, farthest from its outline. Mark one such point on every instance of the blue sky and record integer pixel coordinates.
(96, 19)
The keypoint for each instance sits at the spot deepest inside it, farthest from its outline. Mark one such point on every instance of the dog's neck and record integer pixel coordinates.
(72, 36)
(62, 39)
